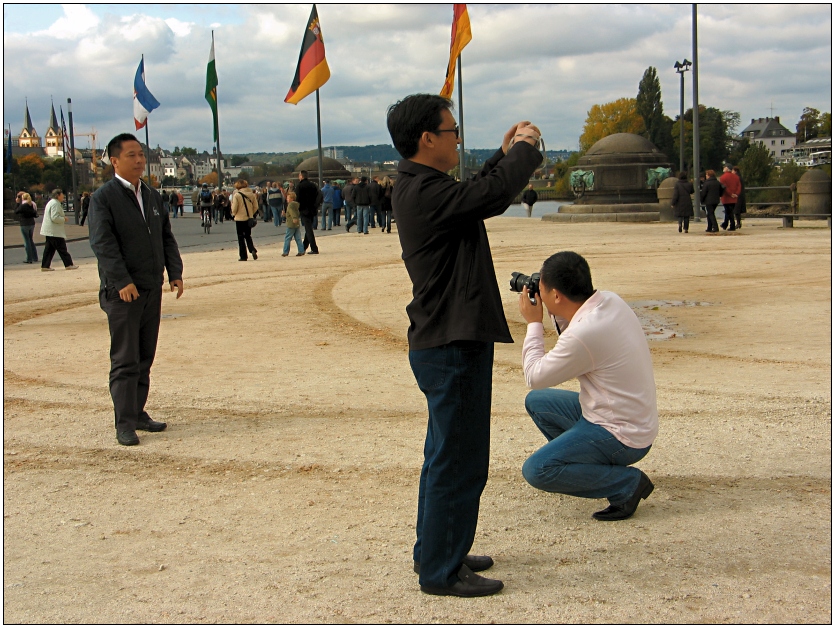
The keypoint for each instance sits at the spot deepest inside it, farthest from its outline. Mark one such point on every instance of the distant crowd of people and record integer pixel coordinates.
(361, 202)
(729, 190)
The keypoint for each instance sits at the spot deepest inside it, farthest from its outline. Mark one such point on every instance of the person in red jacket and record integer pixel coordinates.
(731, 187)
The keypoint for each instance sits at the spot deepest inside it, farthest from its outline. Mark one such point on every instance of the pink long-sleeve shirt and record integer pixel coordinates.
(604, 347)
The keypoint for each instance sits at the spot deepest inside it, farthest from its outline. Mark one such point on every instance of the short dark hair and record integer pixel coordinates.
(303, 173)
(363, 179)
(569, 273)
(114, 146)
(682, 175)
(411, 117)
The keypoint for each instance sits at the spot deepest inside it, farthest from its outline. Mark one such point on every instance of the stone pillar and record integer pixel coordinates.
(665, 197)
(814, 193)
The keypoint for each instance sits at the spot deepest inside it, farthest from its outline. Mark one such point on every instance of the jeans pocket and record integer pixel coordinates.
(429, 375)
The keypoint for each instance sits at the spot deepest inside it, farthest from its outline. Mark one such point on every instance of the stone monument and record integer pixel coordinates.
(616, 181)
(331, 169)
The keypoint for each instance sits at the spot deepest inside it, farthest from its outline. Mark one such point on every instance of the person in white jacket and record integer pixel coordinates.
(594, 436)
(56, 235)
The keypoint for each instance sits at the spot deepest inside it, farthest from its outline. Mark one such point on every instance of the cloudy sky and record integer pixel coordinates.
(543, 62)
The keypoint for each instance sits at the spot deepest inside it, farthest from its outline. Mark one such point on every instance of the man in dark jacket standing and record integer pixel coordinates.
(456, 315)
(307, 194)
(711, 195)
(130, 234)
(375, 193)
(529, 197)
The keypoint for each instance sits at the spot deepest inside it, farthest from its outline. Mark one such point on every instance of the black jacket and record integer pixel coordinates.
(362, 194)
(711, 192)
(440, 222)
(530, 197)
(131, 249)
(27, 213)
(306, 195)
(375, 193)
(681, 201)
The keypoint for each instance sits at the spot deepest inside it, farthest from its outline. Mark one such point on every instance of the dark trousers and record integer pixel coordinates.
(83, 217)
(729, 216)
(309, 235)
(134, 329)
(28, 232)
(712, 225)
(457, 381)
(54, 245)
(337, 216)
(244, 238)
(684, 222)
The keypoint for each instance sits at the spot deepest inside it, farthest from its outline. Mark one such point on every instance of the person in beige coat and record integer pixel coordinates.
(53, 230)
(244, 207)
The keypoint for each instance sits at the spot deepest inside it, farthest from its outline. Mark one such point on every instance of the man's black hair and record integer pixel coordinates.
(303, 173)
(409, 118)
(569, 273)
(363, 179)
(114, 146)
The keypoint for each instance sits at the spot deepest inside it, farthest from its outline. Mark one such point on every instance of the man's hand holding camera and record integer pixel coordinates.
(523, 131)
(531, 312)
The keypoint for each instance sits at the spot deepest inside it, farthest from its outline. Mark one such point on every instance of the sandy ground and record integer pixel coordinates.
(284, 489)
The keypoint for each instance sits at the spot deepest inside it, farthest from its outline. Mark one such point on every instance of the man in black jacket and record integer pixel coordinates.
(529, 197)
(456, 315)
(375, 193)
(307, 194)
(130, 234)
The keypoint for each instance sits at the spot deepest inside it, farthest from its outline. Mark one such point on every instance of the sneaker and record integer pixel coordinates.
(44, 269)
(284, 254)
(299, 254)
(73, 267)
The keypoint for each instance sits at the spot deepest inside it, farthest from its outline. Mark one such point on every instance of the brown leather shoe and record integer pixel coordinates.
(469, 585)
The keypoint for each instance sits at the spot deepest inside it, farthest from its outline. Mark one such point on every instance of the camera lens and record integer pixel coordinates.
(518, 281)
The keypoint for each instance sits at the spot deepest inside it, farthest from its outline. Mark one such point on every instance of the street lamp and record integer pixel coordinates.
(681, 68)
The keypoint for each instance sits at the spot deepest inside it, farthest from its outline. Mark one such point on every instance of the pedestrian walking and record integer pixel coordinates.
(85, 207)
(52, 228)
(27, 211)
(741, 206)
(711, 195)
(276, 200)
(385, 204)
(294, 226)
(327, 206)
(338, 203)
(348, 197)
(244, 208)
(375, 193)
(180, 202)
(362, 199)
(682, 203)
(307, 194)
(731, 187)
(529, 197)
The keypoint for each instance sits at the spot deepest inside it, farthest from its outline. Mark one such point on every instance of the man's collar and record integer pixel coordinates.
(412, 167)
(127, 183)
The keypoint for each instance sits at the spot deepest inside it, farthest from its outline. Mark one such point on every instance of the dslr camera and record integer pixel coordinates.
(518, 282)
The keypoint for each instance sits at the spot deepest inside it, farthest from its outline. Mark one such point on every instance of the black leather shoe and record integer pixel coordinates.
(624, 511)
(149, 425)
(475, 563)
(127, 438)
(469, 585)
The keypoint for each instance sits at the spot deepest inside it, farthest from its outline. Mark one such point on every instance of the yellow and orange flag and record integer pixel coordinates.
(461, 36)
(312, 70)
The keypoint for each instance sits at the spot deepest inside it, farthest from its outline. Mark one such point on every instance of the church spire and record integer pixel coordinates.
(53, 121)
(27, 120)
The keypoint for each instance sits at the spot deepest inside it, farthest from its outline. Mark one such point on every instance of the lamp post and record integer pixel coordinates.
(681, 68)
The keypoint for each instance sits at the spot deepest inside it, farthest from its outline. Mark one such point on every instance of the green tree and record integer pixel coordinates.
(30, 168)
(738, 150)
(618, 116)
(237, 160)
(657, 126)
(756, 165)
(825, 128)
(185, 150)
(715, 136)
(809, 125)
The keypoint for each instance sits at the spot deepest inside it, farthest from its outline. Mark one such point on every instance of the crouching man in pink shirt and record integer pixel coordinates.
(595, 435)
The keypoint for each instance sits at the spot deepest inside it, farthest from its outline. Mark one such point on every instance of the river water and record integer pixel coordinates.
(539, 209)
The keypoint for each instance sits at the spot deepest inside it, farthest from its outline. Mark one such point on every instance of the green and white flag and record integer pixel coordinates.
(211, 84)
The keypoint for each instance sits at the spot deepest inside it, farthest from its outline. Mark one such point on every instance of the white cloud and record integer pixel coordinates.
(546, 63)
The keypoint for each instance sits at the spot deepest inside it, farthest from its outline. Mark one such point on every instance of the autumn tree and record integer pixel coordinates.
(210, 179)
(619, 116)
(30, 168)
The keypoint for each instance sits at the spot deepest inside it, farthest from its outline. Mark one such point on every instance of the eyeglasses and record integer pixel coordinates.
(456, 130)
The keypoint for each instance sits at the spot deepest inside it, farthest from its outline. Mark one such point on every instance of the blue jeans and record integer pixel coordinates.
(375, 215)
(293, 233)
(29, 243)
(349, 211)
(363, 218)
(327, 216)
(457, 380)
(386, 222)
(276, 214)
(581, 458)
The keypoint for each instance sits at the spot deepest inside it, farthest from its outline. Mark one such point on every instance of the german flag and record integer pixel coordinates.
(461, 36)
(312, 71)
